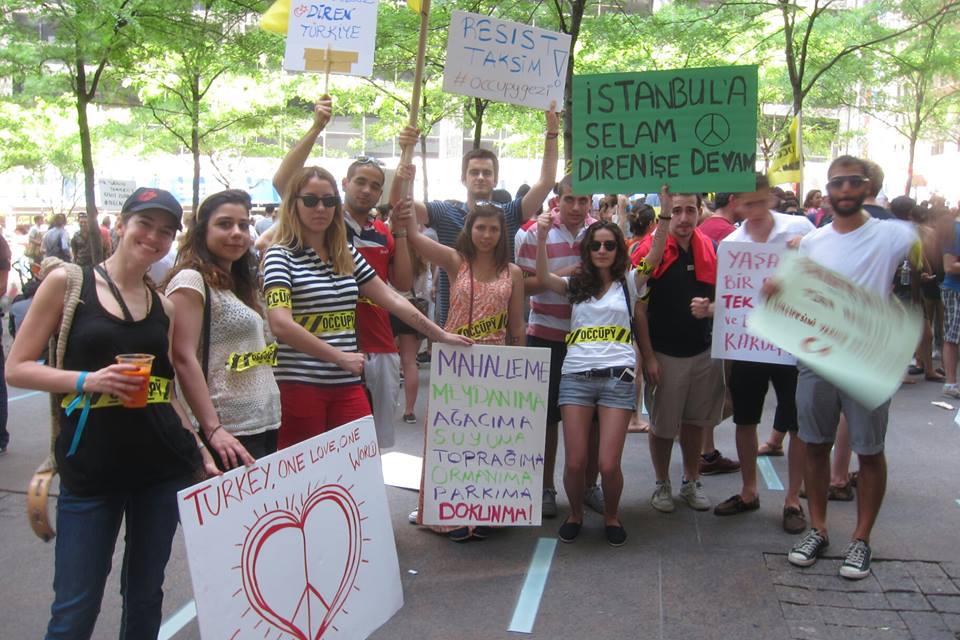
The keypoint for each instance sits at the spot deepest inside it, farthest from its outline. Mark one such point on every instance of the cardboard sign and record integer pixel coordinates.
(486, 423)
(297, 545)
(113, 193)
(860, 341)
(693, 129)
(505, 61)
(335, 36)
(742, 268)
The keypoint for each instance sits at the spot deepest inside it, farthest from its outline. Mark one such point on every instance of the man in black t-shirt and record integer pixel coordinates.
(684, 384)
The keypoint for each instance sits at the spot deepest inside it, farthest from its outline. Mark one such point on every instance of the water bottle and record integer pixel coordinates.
(905, 273)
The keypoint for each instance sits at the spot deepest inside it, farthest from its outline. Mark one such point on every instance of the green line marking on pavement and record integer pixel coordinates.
(528, 604)
(25, 395)
(178, 621)
(769, 474)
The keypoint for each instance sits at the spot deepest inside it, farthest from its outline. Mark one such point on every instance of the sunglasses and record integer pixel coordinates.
(837, 182)
(487, 203)
(311, 200)
(367, 160)
(609, 245)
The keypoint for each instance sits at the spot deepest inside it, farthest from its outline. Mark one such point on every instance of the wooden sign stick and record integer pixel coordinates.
(407, 153)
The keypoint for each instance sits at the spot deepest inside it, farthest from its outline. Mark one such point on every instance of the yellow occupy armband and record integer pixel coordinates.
(644, 268)
(250, 359)
(279, 298)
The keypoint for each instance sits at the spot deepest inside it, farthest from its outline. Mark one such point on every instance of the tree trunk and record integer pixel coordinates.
(910, 156)
(479, 106)
(86, 159)
(195, 142)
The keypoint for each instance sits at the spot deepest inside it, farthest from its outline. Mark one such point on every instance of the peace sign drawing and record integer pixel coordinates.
(712, 130)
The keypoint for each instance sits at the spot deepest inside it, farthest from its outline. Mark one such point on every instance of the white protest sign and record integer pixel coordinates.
(857, 339)
(742, 268)
(113, 193)
(505, 61)
(486, 424)
(298, 544)
(336, 36)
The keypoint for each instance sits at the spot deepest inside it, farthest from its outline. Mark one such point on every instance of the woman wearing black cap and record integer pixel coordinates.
(116, 463)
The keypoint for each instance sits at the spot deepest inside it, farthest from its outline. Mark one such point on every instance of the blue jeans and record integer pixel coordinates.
(87, 529)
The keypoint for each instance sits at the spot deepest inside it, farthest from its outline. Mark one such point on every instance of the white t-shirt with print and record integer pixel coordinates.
(868, 255)
(785, 227)
(596, 318)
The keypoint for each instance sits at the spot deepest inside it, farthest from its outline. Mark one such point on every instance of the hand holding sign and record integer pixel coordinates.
(666, 202)
(322, 112)
(544, 222)
(553, 119)
(409, 136)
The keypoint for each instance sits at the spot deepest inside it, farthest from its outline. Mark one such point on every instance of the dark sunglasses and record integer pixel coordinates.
(856, 182)
(311, 200)
(609, 245)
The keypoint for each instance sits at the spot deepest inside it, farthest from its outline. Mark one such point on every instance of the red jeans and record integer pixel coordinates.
(308, 410)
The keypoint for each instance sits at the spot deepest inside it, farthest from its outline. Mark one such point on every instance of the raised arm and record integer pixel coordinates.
(546, 279)
(539, 191)
(296, 158)
(401, 187)
(430, 250)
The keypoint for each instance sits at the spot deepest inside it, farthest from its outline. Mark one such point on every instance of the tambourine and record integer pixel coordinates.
(37, 494)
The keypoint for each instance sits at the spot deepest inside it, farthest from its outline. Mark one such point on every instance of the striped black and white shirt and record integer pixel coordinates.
(323, 303)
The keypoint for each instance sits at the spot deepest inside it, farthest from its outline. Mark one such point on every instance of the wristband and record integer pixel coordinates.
(552, 135)
(80, 380)
(217, 428)
(200, 445)
(399, 235)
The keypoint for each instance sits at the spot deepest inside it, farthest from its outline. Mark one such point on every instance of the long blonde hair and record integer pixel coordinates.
(290, 230)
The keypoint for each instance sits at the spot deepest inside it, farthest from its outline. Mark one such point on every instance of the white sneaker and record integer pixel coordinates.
(951, 391)
(662, 498)
(692, 493)
(412, 518)
(593, 498)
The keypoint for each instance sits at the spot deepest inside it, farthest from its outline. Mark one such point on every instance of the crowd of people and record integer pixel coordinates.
(274, 332)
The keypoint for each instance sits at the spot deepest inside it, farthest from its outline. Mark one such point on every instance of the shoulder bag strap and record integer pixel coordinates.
(205, 355)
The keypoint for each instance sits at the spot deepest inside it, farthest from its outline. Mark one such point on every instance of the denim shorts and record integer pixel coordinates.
(588, 391)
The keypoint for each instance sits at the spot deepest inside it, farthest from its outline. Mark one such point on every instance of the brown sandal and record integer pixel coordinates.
(768, 449)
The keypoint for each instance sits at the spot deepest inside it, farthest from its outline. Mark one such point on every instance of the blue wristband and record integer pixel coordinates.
(83, 376)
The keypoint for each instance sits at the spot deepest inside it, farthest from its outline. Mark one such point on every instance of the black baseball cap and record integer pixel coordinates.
(146, 198)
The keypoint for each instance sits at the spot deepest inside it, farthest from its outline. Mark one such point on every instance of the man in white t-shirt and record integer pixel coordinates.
(749, 382)
(868, 251)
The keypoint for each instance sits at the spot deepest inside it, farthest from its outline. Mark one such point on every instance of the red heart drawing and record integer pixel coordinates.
(272, 572)
(300, 10)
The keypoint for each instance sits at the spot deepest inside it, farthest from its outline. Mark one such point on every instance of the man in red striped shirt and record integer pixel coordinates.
(550, 319)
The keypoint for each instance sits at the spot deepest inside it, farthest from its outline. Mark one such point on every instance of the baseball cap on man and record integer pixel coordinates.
(146, 198)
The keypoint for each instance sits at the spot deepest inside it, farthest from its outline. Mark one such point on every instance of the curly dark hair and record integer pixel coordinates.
(465, 246)
(587, 283)
(242, 278)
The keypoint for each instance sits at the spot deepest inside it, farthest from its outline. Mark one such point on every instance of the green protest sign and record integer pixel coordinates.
(858, 340)
(693, 129)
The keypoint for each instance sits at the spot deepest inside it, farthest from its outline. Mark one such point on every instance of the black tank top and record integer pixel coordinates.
(121, 449)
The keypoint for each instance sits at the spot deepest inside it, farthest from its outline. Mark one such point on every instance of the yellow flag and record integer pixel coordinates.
(787, 163)
(414, 5)
(277, 17)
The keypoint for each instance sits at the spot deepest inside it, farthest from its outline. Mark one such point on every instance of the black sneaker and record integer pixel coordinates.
(808, 550)
(569, 531)
(856, 562)
(616, 535)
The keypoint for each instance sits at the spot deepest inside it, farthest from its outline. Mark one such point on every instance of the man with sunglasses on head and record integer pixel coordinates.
(479, 174)
(868, 251)
(383, 250)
